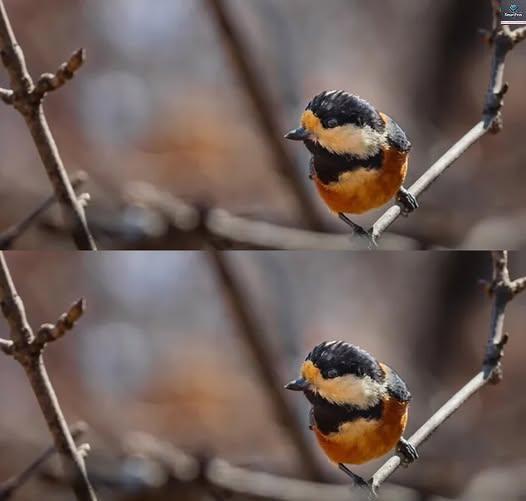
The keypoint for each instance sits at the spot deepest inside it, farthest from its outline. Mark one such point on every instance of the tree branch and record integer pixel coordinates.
(27, 99)
(51, 332)
(11, 486)
(503, 291)
(162, 217)
(254, 336)
(503, 40)
(13, 233)
(265, 112)
(220, 475)
(27, 350)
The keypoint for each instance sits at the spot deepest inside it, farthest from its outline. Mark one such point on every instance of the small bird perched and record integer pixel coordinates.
(359, 155)
(359, 405)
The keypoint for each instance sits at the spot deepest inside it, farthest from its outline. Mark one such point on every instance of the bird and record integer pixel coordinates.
(359, 406)
(359, 155)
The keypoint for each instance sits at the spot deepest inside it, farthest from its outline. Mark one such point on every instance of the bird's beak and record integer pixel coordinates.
(299, 384)
(299, 134)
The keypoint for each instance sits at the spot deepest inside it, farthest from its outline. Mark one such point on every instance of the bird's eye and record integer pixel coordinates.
(332, 123)
(332, 373)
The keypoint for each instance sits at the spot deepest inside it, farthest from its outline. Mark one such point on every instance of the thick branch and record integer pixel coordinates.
(254, 336)
(28, 101)
(30, 357)
(13, 233)
(11, 486)
(503, 291)
(265, 112)
(503, 40)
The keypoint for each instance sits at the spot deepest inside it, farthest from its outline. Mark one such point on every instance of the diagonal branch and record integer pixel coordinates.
(503, 40)
(28, 352)
(13, 233)
(11, 486)
(253, 335)
(503, 291)
(265, 114)
(27, 99)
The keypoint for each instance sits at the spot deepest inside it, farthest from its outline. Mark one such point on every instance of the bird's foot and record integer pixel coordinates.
(356, 479)
(407, 451)
(407, 201)
(359, 231)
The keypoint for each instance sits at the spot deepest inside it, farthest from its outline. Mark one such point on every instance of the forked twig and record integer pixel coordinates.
(26, 348)
(26, 97)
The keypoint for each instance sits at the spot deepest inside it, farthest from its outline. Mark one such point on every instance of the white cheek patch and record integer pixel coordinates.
(361, 142)
(362, 392)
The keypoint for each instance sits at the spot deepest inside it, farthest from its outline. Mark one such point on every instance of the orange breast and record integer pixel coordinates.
(362, 190)
(361, 441)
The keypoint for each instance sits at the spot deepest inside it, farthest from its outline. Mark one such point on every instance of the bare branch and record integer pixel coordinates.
(502, 291)
(51, 332)
(52, 81)
(265, 114)
(503, 40)
(28, 102)
(29, 355)
(12, 234)
(11, 486)
(254, 336)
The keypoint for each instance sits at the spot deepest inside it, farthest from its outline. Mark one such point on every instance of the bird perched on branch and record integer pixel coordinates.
(359, 155)
(359, 405)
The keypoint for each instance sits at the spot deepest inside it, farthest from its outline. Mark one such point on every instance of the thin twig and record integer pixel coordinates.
(503, 40)
(51, 332)
(13, 233)
(11, 486)
(28, 353)
(265, 112)
(503, 291)
(254, 336)
(27, 99)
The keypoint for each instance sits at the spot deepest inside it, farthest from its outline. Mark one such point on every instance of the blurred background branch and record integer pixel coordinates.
(10, 487)
(266, 116)
(9, 237)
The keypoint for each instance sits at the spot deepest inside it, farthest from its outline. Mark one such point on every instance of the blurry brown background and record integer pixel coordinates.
(171, 362)
(160, 101)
